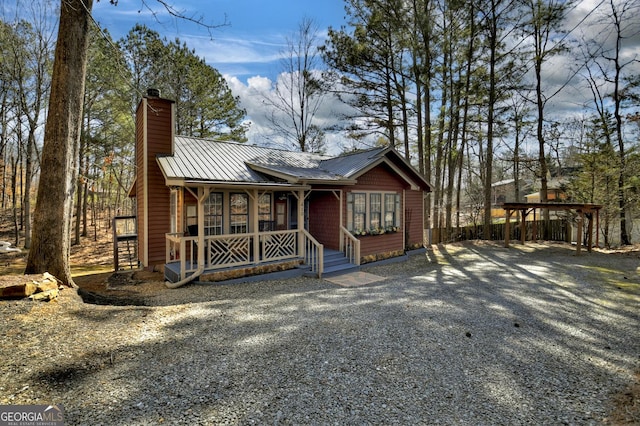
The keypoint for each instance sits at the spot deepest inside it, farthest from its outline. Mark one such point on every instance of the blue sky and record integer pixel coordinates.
(249, 46)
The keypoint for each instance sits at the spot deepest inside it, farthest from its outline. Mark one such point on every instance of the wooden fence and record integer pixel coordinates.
(559, 230)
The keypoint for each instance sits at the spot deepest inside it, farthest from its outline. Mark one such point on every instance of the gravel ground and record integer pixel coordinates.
(469, 334)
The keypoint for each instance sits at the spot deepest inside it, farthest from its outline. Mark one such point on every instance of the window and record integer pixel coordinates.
(391, 209)
(373, 212)
(265, 220)
(239, 213)
(192, 215)
(375, 208)
(356, 211)
(213, 214)
(173, 208)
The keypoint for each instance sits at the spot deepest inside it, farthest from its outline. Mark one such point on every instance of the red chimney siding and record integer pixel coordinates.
(152, 192)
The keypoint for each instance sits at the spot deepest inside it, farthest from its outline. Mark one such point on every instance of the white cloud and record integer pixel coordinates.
(253, 98)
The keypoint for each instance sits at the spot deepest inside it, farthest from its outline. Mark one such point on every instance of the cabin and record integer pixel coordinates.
(219, 210)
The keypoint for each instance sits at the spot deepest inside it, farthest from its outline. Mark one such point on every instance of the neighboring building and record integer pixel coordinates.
(504, 191)
(222, 209)
(555, 191)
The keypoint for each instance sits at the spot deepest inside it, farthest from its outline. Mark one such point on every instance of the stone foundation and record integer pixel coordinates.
(380, 256)
(248, 271)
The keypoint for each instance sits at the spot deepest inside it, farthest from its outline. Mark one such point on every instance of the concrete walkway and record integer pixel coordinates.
(355, 279)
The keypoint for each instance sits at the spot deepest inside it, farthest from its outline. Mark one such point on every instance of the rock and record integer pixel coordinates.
(45, 295)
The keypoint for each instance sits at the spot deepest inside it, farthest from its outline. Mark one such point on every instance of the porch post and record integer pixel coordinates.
(507, 229)
(598, 228)
(203, 193)
(255, 224)
(523, 226)
(579, 238)
(300, 197)
(590, 231)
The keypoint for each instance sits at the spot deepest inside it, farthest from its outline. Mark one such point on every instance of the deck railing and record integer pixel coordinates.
(313, 253)
(350, 246)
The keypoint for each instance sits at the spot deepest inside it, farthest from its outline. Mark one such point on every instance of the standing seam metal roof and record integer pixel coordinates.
(222, 161)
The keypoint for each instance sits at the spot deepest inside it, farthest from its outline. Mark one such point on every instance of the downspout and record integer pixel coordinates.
(187, 280)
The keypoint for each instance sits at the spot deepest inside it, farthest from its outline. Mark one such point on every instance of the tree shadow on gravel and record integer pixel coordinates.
(484, 336)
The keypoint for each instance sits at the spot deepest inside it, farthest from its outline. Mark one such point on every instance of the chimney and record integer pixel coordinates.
(153, 93)
(154, 136)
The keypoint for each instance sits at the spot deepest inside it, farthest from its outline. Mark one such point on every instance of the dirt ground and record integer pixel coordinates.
(92, 267)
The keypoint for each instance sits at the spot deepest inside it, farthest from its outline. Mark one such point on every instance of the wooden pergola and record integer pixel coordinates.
(581, 209)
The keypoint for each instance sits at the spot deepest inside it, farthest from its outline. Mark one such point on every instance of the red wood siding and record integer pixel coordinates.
(380, 244)
(414, 218)
(380, 178)
(383, 179)
(324, 225)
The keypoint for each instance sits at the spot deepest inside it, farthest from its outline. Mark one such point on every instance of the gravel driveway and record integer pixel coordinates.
(467, 334)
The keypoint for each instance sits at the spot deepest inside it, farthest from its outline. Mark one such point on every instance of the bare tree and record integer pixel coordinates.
(543, 24)
(299, 92)
(32, 86)
(622, 19)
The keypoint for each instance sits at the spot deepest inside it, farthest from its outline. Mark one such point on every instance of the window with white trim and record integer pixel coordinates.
(373, 212)
(356, 211)
(239, 213)
(391, 209)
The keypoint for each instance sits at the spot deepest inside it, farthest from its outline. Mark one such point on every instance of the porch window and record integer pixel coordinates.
(239, 215)
(391, 209)
(265, 218)
(213, 214)
(192, 215)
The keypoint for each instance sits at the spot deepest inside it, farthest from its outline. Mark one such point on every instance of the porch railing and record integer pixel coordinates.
(350, 246)
(313, 253)
(182, 249)
(224, 251)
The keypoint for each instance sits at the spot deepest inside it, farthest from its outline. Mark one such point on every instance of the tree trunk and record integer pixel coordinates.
(52, 215)
(26, 204)
(14, 194)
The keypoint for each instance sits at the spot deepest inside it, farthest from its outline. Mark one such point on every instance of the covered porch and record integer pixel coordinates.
(217, 228)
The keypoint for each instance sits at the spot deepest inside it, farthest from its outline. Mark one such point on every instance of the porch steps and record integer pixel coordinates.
(335, 263)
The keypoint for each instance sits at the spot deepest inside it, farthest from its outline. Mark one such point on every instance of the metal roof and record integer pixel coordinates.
(349, 164)
(197, 159)
(202, 160)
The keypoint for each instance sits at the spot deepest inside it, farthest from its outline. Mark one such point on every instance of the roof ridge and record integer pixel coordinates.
(236, 143)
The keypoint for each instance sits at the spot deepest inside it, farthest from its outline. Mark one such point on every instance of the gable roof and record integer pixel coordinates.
(196, 160)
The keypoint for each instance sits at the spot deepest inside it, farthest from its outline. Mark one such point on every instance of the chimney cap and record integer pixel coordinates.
(153, 92)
